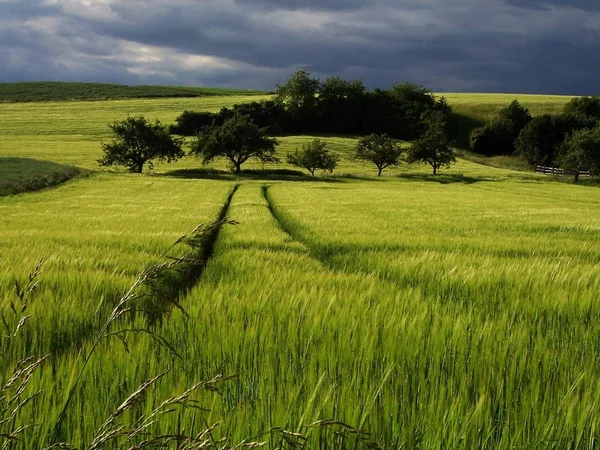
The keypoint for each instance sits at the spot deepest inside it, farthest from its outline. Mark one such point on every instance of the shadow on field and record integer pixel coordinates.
(257, 174)
(445, 178)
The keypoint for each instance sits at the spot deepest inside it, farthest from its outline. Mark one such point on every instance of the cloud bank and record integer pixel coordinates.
(527, 46)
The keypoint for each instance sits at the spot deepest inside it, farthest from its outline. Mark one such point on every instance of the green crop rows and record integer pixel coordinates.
(451, 312)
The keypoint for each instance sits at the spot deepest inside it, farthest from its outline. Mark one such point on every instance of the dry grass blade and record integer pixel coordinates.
(343, 431)
(139, 435)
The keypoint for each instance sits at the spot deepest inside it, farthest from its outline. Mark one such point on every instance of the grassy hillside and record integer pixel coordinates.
(471, 111)
(483, 107)
(48, 91)
(71, 132)
(26, 174)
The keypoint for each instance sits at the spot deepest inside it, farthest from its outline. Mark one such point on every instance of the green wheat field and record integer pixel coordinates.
(452, 312)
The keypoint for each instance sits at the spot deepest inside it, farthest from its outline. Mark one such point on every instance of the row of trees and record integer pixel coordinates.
(239, 139)
(304, 104)
(569, 139)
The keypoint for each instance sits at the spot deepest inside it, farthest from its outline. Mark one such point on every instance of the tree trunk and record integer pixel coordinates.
(238, 167)
(434, 169)
(379, 173)
(576, 177)
(137, 168)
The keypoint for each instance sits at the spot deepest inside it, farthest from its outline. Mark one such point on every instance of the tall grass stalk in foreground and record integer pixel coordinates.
(130, 303)
(13, 394)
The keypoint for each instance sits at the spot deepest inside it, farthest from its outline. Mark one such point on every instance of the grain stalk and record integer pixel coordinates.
(13, 393)
(127, 303)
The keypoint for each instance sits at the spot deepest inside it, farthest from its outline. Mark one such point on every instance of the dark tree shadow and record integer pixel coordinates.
(461, 126)
(444, 178)
(251, 174)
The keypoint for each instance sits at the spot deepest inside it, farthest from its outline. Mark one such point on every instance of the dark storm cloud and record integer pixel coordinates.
(586, 5)
(315, 5)
(449, 45)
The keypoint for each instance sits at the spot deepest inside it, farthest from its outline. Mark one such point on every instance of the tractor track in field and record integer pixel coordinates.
(208, 249)
(281, 223)
(175, 290)
(169, 295)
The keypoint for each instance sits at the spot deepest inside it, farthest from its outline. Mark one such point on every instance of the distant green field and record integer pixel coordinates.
(483, 107)
(52, 91)
(457, 311)
(71, 132)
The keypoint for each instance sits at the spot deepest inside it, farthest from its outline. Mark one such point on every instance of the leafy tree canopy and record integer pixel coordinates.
(336, 88)
(314, 156)
(237, 140)
(433, 148)
(138, 142)
(581, 152)
(498, 137)
(584, 106)
(540, 140)
(515, 117)
(381, 150)
(299, 92)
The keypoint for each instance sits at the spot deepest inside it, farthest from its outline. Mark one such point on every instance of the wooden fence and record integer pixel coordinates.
(557, 171)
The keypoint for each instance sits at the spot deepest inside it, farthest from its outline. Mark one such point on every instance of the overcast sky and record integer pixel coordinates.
(525, 46)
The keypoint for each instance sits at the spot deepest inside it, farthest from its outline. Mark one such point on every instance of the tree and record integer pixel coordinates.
(381, 150)
(340, 105)
(498, 137)
(314, 156)
(541, 139)
(265, 114)
(237, 140)
(492, 139)
(433, 148)
(299, 92)
(138, 142)
(515, 117)
(584, 106)
(190, 123)
(580, 152)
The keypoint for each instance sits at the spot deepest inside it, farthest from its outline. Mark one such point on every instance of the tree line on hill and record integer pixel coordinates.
(569, 140)
(409, 112)
(305, 105)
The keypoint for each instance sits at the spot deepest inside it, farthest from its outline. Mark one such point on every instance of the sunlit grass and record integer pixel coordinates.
(485, 106)
(95, 236)
(456, 311)
(71, 132)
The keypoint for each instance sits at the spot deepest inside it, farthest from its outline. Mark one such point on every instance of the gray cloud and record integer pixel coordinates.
(449, 45)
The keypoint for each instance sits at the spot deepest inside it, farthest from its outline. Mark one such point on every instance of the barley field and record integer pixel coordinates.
(405, 312)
